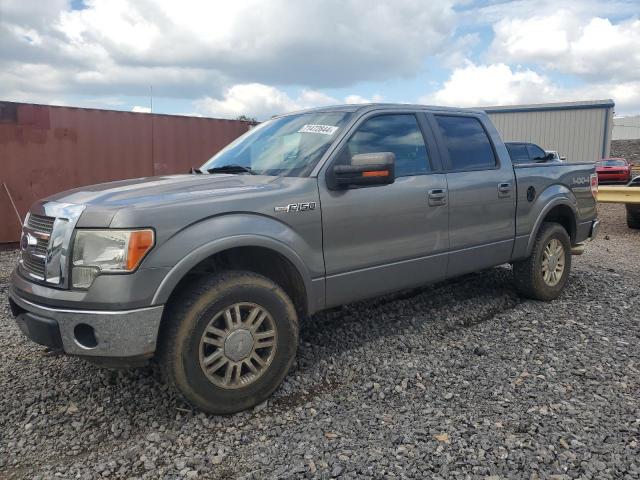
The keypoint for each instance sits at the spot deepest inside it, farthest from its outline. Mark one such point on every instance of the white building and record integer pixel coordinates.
(579, 131)
(626, 128)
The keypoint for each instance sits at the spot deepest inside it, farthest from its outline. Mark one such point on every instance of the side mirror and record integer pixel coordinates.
(564, 159)
(365, 169)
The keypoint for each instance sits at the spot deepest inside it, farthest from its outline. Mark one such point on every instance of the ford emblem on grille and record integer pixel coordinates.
(27, 241)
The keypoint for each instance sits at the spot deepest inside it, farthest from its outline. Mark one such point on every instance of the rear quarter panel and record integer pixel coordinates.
(554, 184)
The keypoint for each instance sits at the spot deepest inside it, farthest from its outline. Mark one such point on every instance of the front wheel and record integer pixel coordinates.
(545, 273)
(228, 342)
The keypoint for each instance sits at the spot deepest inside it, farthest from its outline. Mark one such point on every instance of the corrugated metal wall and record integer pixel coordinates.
(44, 150)
(578, 131)
(626, 128)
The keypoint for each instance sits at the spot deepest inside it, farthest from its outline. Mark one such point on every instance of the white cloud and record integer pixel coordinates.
(263, 101)
(358, 99)
(594, 47)
(141, 109)
(197, 47)
(499, 84)
(493, 12)
(252, 99)
(240, 57)
(457, 53)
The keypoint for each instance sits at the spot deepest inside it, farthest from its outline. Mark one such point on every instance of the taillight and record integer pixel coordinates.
(594, 185)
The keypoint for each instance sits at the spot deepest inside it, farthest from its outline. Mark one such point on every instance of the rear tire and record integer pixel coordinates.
(633, 216)
(209, 350)
(545, 273)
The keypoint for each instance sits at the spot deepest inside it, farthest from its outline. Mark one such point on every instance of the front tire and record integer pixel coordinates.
(229, 341)
(545, 273)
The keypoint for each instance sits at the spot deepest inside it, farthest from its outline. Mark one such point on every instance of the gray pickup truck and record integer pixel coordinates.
(210, 272)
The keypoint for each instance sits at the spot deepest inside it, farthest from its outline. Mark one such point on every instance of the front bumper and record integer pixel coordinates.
(93, 333)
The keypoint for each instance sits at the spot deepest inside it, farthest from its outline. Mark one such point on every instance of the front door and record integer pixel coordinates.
(383, 238)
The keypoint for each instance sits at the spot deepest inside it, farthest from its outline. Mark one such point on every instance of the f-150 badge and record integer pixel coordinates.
(296, 207)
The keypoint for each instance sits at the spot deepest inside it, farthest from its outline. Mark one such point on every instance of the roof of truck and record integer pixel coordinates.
(382, 106)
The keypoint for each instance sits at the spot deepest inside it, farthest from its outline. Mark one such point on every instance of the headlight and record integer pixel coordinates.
(108, 251)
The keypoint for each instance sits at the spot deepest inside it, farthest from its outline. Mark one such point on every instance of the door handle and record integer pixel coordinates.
(437, 197)
(504, 190)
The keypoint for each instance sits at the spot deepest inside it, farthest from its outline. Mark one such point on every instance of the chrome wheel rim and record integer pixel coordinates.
(238, 345)
(553, 261)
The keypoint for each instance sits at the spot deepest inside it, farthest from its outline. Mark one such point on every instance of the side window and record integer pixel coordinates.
(467, 142)
(535, 152)
(518, 153)
(398, 134)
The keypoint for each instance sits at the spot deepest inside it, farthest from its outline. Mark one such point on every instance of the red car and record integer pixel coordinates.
(613, 170)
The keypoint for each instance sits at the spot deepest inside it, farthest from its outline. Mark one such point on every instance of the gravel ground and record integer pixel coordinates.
(458, 380)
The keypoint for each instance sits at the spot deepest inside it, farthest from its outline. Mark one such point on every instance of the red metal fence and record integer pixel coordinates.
(45, 149)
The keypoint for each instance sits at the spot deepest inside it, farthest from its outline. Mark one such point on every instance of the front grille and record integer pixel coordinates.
(46, 236)
(33, 265)
(40, 223)
(41, 247)
(34, 256)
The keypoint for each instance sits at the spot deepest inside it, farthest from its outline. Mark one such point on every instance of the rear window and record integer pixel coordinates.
(467, 142)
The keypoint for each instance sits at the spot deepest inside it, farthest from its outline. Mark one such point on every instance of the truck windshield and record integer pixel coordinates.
(287, 146)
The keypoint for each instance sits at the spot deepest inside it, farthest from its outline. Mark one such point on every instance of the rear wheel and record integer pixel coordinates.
(544, 274)
(633, 216)
(229, 341)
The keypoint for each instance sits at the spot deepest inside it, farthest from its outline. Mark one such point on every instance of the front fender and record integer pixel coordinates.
(197, 242)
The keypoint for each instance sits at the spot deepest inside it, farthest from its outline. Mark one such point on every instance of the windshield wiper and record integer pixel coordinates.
(233, 168)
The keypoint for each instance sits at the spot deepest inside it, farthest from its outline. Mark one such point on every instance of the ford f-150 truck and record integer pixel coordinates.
(210, 272)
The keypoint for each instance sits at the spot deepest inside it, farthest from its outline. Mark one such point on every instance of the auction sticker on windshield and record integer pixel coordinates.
(323, 129)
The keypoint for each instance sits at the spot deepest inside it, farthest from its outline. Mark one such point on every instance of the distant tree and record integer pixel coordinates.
(244, 118)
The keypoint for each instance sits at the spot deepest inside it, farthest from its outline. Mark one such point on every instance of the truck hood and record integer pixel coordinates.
(158, 190)
(170, 203)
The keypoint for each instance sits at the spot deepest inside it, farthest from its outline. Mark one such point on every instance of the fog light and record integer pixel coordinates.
(83, 277)
(85, 336)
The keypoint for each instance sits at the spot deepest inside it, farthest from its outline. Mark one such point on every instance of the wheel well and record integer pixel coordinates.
(261, 260)
(563, 215)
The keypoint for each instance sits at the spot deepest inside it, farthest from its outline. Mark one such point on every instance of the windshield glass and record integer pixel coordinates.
(287, 146)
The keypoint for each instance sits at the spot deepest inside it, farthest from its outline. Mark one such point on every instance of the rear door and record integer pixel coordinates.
(482, 193)
(383, 238)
